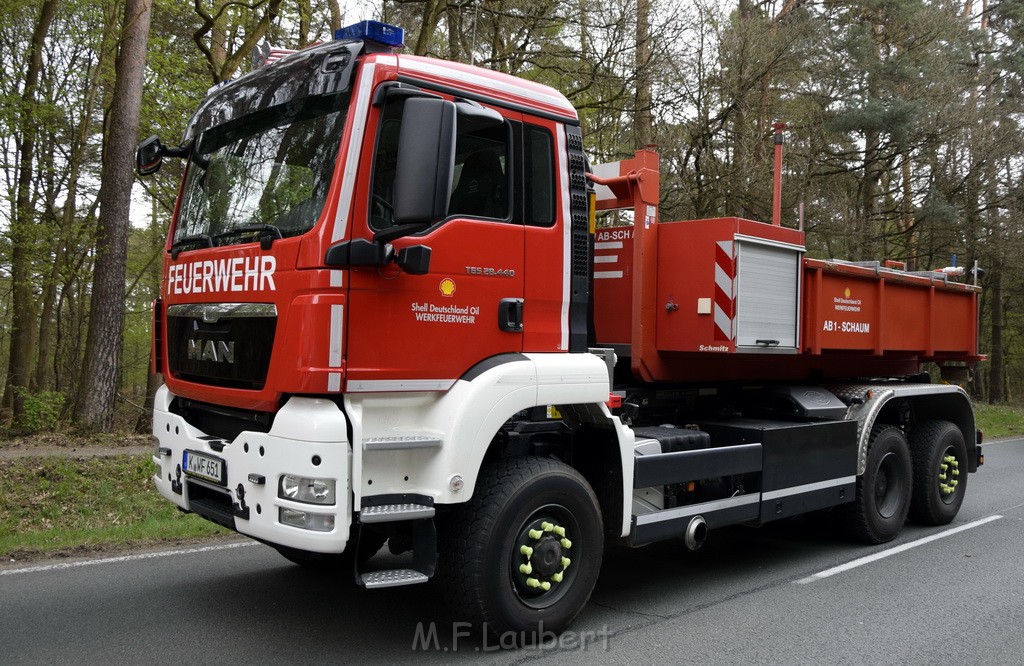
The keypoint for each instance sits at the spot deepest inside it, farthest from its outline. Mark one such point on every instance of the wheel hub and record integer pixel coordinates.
(888, 486)
(547, 557)
(541, 557)
(949, 470)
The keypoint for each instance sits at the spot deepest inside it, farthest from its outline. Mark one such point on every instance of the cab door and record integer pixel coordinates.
(423, 332)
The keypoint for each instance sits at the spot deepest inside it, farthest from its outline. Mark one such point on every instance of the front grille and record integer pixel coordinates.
(221, 344)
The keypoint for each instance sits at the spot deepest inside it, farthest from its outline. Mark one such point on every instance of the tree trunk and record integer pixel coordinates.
(77, 156)
(305, 17)
(909, 229)
(454, 23)
(144, 423)
(23, 303)
(644, 116)
(335, 10)
(222, 62)
(94, 408)
(995, 377)
(432, 10)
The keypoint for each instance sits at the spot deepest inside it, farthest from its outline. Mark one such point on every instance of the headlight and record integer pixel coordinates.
(308, 490)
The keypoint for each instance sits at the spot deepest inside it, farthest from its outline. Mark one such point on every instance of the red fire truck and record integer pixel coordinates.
(386, 318)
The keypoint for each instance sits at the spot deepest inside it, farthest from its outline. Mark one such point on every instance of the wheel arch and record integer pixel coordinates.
(883, 403)
(461, 424)
(600, 447)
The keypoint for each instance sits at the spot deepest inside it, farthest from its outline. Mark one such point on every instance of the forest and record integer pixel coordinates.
(904, 142)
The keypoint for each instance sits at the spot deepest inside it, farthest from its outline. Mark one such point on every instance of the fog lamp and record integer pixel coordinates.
(316, 522)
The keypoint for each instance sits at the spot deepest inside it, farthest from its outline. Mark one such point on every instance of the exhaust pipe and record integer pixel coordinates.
(696, 533)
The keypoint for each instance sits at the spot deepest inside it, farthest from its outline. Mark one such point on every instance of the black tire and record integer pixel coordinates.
(369, 544)
(883, 492)
(502, 548)
(939, 456)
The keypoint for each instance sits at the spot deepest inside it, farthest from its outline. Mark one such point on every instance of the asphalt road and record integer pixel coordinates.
(769, 595)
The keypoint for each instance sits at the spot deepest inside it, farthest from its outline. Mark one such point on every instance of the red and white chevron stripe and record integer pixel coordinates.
(725, 296)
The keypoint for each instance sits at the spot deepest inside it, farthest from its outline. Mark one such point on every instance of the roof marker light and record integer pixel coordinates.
(374, 31)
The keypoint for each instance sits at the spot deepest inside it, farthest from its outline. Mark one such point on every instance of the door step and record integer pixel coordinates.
(424, 440)
(392, 578)
(389, 513)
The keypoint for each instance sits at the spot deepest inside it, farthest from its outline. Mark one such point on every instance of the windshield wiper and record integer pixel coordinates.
(268, 233)
(179, 245)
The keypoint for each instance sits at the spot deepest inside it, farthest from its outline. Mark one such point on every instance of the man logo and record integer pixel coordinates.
(208, 350)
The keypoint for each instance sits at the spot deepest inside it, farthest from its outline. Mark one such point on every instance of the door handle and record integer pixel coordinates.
(510, 315)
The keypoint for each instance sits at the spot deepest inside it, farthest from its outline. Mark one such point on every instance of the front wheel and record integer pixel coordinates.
(522, 556)
(883, 491)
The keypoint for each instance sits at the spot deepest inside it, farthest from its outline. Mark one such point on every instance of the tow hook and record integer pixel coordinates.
(176, 482)
(239, 508)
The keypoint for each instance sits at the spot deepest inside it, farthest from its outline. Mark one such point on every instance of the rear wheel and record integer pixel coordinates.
(883, 491)
(940, 472)
(522, 556)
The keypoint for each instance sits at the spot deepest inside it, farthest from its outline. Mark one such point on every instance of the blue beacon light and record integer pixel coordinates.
(374, 31)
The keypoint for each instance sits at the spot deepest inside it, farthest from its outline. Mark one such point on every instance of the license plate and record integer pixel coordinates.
(202, 466)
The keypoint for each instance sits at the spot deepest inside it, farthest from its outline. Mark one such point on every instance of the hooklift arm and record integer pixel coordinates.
(637, 186)
(634, 185)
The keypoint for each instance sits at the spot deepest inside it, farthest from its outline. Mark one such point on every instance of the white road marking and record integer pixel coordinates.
(1003, 440)
(893, 551)
(124, 558)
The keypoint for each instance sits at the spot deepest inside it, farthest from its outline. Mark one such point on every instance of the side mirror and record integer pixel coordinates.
(358, 252)
(426, 162)
(414, 260)
(149, 156)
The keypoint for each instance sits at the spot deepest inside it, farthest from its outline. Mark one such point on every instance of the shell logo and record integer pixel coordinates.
(447, 287)
(847, 292)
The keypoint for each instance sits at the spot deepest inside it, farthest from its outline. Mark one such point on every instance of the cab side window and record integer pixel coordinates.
(385, 162)
(481, 181)
(481, 185)
(539, 176)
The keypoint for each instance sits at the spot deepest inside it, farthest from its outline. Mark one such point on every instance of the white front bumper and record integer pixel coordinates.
(309, 438)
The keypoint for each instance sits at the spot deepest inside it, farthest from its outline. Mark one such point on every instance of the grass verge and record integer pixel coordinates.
(999, 420)
(57, 504)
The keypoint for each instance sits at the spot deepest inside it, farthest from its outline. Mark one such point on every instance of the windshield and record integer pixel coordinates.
(265, 172)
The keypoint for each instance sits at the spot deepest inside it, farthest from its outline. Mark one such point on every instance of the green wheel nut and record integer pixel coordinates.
(526, 569)
(526, 550)
(559, 530)
(547, 527)
(565, 563)
(942, 477)
(943, 467)
(532, 582)
(956, 472)
(952, 484)
(535, 534)
(557, 577)
(545, 586)
(566, 544)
